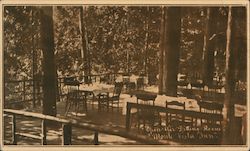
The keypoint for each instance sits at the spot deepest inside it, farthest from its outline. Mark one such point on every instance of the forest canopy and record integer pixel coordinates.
(117, 39)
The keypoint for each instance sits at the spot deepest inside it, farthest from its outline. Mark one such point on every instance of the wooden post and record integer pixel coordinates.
(128, 116)
(43, 128)
(96, 141)
(67, 134)
(14, 137)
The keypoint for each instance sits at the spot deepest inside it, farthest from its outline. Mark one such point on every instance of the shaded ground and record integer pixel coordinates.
(79, 136)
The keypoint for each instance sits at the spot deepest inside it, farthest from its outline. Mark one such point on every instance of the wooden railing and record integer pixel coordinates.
(199, 132)
(187, 113)
(67, 126)
(27, 89)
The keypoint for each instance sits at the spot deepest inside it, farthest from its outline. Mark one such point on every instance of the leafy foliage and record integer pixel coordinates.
(119, 39)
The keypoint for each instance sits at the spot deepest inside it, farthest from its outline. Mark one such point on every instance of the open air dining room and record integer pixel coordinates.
(125, 75)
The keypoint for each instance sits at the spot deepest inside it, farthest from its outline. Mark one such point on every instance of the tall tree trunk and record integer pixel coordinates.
(232, 48)
(209, 44)
(146, 40)
(170, 49)
(229, 77)
(84, 49)
(127, 41)
(162, 49)
(49, 68)
(34, 63)
(205, 37)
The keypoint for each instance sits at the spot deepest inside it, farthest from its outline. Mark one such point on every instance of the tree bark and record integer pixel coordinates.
(34, 59)
(209, 45)
(232, 47)
(84, 48)
(146, 40)
(170, 49)
(162, 33)
(49, 68)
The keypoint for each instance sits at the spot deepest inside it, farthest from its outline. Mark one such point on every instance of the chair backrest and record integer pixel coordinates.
(175, 103)
(118, 88)
(210, 107)
(172, 116)
(146, 98)
(140, 83)
(188, 93)
(126, 79)
(72, 95)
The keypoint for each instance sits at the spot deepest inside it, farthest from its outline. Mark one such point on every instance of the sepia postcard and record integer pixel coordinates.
(124, 75)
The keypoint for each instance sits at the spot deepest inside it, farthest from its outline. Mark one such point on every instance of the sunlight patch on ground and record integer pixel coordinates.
(78, 114)
(113, 139)
(86, 137)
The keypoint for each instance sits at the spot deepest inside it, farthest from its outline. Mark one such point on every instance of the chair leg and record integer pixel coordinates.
(66, 104)
(138, 125)
(118, 105)
(107, 104)
(76, 107)
(112, 105)
(86, 107)
(92, 103)
(99, 105)
(144, 125)
(68, 108)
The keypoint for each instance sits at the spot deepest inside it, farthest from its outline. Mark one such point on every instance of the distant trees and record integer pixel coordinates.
(105, 39)
(118, 38)
(21, 39)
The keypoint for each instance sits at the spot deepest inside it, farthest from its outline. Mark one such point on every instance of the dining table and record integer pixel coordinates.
(94, 90)
(143, 97)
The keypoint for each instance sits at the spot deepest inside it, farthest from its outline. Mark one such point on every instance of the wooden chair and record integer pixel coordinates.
(148, 118)
(104, 79)
(188, 93)
(210, 107)
(115, 98)
(89, 95)
(105, 100)
(172, 119)
(211, 126)
(177, 122)
(183, 84)
(75, 99)
(126, 81)
(131, 86)
(198, 85)
(140, 83)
